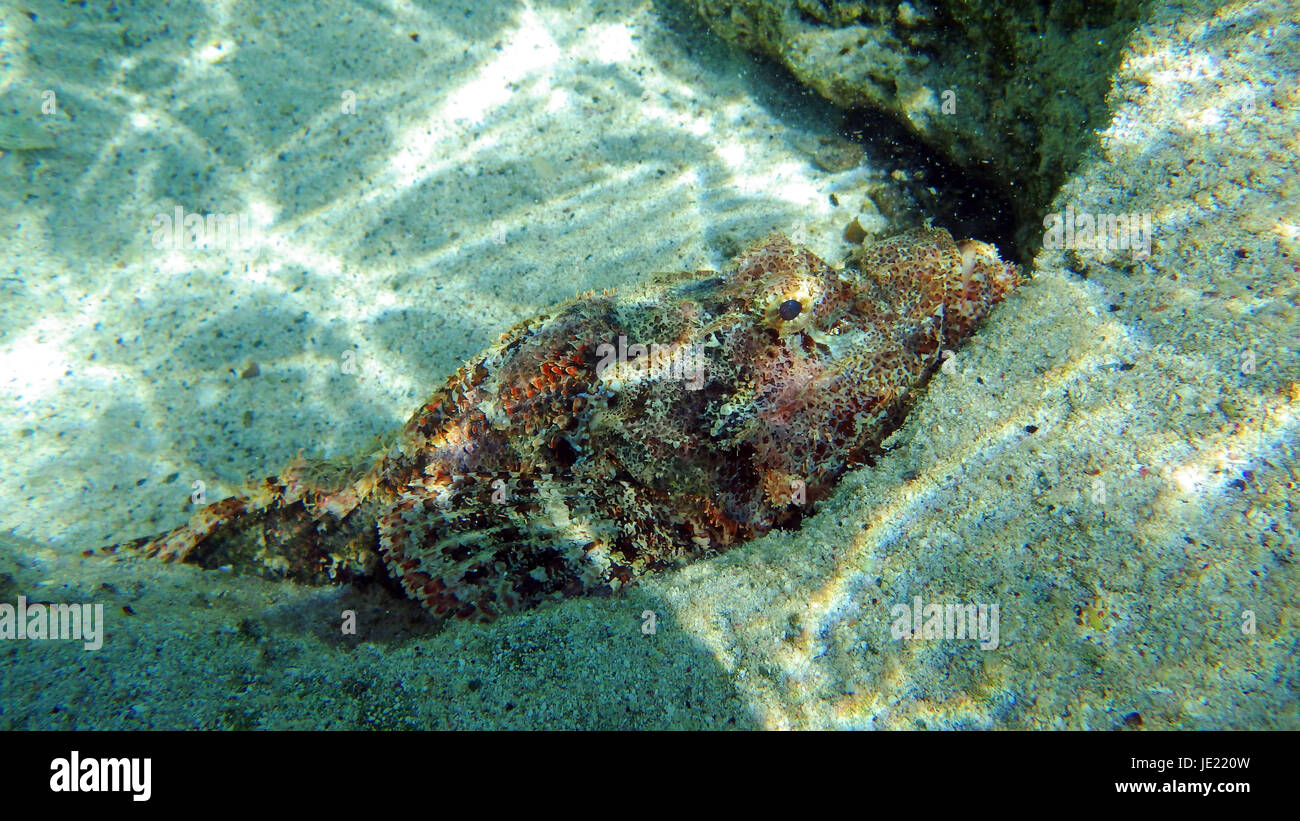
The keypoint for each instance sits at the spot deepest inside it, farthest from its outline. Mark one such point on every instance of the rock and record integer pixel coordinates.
(1013, 88)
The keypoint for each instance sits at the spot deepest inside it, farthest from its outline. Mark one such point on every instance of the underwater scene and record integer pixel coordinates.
(649, 364)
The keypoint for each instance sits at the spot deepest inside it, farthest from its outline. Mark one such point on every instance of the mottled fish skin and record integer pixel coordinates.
(564, 460)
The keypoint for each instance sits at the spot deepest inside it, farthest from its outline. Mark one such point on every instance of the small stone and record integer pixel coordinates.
(835, 154)
(854, 232)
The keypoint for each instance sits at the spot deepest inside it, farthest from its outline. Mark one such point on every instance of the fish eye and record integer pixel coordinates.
(790, 309)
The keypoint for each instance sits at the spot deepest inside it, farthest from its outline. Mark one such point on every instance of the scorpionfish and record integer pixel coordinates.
(620, 434)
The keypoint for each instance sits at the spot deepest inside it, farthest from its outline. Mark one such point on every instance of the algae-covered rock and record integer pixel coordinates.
(1015, 88)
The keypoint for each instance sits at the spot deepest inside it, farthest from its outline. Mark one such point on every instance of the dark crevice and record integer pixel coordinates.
(968, 202)
(1045, 64)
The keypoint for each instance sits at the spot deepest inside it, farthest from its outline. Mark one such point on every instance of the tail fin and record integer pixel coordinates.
(298, 526)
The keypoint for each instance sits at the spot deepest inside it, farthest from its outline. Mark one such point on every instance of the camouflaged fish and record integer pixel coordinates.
(618, 435)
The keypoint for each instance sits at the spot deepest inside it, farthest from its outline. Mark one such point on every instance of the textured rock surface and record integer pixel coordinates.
(1010, 87)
